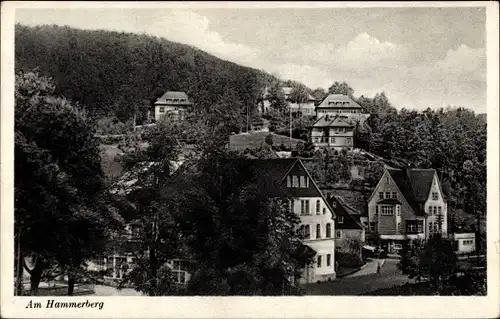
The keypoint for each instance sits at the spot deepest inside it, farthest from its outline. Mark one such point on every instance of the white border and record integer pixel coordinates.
(256, 307)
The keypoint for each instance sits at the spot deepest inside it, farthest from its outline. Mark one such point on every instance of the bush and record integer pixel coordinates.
(348, 260)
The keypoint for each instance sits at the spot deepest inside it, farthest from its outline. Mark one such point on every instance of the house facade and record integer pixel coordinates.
(463, 243)
(407, 204)
(302, 109)
(348, 228)
(333, 131)
(171, 106)
(337, 116)
(294, 182)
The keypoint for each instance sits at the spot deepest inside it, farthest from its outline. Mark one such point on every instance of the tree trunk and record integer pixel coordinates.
(35, 278)
(153, 264)
(71, 285)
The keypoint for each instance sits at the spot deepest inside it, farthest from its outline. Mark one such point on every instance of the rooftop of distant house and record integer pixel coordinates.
(339, 101)
(287, 91)
(174, 97)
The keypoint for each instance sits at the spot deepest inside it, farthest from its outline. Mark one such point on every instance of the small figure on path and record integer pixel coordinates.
(378, 268)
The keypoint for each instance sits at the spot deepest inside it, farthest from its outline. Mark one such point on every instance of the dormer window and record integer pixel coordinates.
(341, 219)
(435, 196)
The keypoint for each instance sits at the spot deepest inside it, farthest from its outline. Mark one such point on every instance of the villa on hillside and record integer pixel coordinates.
(172, 106)
(337, 118)
(300, 109)
(407, 204)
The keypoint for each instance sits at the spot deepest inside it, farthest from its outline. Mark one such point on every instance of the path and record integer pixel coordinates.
(357, 285)
(370, 268)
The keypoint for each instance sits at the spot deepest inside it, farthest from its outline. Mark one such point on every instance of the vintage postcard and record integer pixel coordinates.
(250, 160)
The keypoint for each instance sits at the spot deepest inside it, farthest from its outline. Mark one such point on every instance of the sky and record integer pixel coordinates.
(420, 57)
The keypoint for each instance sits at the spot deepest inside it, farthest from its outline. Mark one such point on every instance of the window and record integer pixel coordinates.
(288, 181)
(295, 181)
(162, 109)
(376, 210)
(178, 270)
(381, 195)
(398, 227)
(302, 182)
(419, 228)
(430, 210)
(387, 180)
(318, 207)
(387, 194)
(372, 226)
(307, 182)
(387, 210)
(398, 210)
(394, 195)
(291, 203)
(324, 211)
(328, 230)
(434, 210)
(332, 140)
(318, 231)
(430, 227)
(435, 196)
(411, 228)
(439, 210)
(341, 219)
(307, 232)
(319, 261)
(349, 141)
(435, 227)
(338, 234)
(304, 206)
(328, 259)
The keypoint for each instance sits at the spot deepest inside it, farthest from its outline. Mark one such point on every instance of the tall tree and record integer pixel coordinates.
(62, 217)
(341, 88)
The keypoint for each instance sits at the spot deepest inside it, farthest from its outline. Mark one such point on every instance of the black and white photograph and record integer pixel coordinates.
(275, 151)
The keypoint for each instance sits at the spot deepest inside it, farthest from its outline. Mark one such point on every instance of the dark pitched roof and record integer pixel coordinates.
(174, 95)
(415, 185)
(342, 209)
(334, 121)
(339, 98)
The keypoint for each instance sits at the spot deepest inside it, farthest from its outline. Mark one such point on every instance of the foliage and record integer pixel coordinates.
(349, 259)
(433, 259)
(62, 215)
(341, 88)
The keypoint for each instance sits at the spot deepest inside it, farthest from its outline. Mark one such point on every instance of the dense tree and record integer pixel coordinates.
(433, 260)
(62, 217)
(300, 96)
(341, 88)
(319, 94)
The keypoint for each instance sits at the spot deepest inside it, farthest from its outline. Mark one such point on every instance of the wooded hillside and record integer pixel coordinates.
(112, 73)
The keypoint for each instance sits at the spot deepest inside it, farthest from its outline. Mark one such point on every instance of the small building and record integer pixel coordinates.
(298, 109)
(172, 105)
(348, 228)
(463, 243)
(407, 204)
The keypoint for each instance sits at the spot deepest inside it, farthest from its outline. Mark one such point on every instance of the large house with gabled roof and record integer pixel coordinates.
(337, 117)
(333, 131)
(407, 204)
